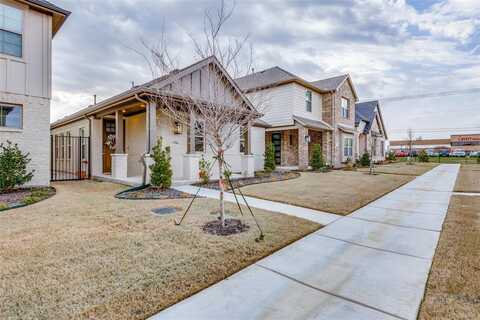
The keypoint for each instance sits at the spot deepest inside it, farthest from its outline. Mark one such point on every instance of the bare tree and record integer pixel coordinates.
(410, 139)
(221, 115)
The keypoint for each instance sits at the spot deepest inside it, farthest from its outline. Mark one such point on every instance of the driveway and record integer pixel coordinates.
(373, 264)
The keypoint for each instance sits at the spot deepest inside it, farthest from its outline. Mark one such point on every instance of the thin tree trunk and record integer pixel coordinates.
(221, 187)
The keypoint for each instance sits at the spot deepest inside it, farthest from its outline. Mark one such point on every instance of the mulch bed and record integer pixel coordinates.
(152, 193)
(24, 196)
(232, 226)
(259, 178)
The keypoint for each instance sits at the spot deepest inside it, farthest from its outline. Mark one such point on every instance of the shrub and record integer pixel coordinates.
(423, 156)
(365, 160)
(478, 158)
(391, 156)
(269, 158)
(317, 158)
(13, 166)
(203, 166)
(161, 170)
(31, 199)
(3, 206)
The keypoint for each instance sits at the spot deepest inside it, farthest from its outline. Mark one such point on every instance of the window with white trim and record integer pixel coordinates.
(68, 143)
(11, 116)
(308, 101)
(243, 140)
(345, 108)
(348, 147)
(11, 25)
(199, 134)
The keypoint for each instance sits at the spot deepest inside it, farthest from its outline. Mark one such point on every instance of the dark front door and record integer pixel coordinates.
(108, 131)
(277, 146)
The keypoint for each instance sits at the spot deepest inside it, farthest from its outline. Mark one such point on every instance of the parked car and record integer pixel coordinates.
(475, 154)
(401, 153)
(458, 153)
(444, 153)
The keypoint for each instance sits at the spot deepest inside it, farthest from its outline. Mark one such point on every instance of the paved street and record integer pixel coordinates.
(372, 264)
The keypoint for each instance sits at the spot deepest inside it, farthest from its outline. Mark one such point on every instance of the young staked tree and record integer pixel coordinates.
(224, 114)
(410, 139)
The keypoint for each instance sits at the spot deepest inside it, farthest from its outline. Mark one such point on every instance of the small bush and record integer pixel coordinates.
(31, 199)
(203, 166)
(269, 158)
(317, 158)
(13, 166)
(161, 170)
(391, 156)
(365, 160)
(3, 206)
(423, 156)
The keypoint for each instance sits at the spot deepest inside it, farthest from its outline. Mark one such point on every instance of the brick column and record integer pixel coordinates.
(327, 146)
(302, 148)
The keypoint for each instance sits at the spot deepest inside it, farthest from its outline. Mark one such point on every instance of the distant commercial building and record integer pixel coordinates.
(464, 142)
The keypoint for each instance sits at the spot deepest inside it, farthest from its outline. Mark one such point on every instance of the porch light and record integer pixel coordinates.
(177, 127)
(308, 139)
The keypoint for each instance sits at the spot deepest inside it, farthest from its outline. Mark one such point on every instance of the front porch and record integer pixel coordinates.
(294, 145)
(124, 135)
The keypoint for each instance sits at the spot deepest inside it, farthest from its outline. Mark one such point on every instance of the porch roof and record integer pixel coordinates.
(312, 124)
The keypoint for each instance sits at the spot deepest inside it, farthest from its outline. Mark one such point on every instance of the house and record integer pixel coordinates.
(302, 114)
(371, 130)
(27, 29)
(136, 122)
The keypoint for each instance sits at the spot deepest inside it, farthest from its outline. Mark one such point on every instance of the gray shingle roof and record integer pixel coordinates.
(264, 78)
(314, 124)
(365, 111)
(330, 84)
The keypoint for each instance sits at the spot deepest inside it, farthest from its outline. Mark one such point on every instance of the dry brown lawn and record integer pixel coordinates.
(86, 255)
(468, 179)
(453, 288)
(340, 192)
(402, 168)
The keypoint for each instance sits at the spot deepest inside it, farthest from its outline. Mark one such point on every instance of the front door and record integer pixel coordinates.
(277, 146)
(108, 130)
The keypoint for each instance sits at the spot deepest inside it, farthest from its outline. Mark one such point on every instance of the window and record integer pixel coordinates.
(345, 108)
(382, 146)
(199, 132)
(243, 140)
(83, 144)
(348, 147)
(68, 143)
(10, 116)
(308, 101)
(11, 20)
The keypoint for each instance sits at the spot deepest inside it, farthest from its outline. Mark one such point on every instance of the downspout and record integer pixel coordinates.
(147, 151)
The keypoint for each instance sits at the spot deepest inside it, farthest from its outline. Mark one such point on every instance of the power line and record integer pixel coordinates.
(437, 129)
(431, 95)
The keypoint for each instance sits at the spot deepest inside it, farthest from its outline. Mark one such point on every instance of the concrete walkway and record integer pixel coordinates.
(320, 217)
(372, 264)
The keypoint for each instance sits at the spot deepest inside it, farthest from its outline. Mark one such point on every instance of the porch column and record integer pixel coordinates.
(151, 125)
(249, 139)
(96, 143)
(327, 146)
(119, 138)
(191, 138)
(302, 148)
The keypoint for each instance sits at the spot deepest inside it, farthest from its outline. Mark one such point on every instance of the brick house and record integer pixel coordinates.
(370, 130)
(302, 114)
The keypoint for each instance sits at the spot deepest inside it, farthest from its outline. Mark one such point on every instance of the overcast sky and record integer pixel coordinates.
(390, 49)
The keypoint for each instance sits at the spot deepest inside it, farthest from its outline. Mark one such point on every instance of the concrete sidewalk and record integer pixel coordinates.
(372, 264)
(320, 217)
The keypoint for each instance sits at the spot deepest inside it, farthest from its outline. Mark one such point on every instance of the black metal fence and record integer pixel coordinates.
(70, 158)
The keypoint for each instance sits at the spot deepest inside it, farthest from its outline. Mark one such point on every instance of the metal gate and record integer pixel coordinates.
(70, 157)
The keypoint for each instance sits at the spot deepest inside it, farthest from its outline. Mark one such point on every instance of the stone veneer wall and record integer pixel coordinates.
(290, 150)
(34, 137)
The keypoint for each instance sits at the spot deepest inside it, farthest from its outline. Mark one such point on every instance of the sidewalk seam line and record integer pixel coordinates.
(330, 293)
(373, 248)
(393, 225)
